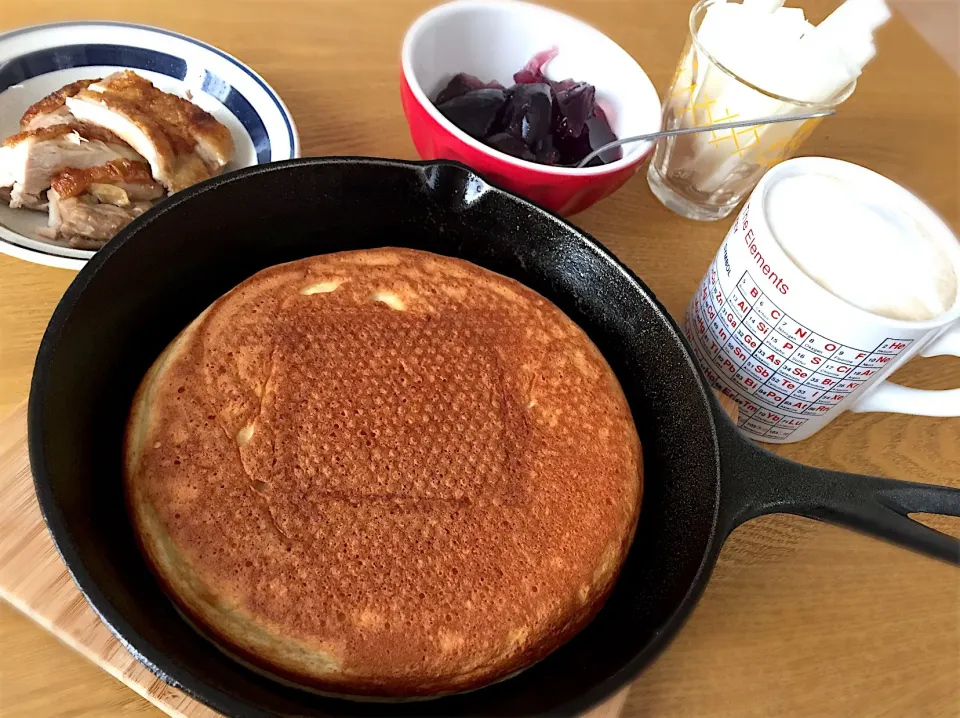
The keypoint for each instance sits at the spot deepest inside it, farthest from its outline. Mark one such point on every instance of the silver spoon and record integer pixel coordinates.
(706, 128)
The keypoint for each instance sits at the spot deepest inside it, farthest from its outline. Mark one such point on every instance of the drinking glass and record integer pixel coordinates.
(705, 175)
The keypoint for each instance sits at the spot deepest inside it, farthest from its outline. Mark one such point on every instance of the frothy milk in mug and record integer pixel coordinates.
(831, 277)
(870, 252)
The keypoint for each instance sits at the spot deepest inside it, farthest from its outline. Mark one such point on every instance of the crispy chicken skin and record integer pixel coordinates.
(30, 159)
(178, 116)
(132, 177)
(182, 143)
(87, 207)
(51, 110)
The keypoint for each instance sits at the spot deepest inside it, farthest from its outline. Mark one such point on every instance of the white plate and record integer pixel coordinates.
(35, 61)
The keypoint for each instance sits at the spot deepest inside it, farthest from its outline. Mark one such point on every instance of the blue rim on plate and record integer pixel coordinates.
(269, 141)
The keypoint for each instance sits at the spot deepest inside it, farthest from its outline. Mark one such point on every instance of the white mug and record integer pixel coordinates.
(793, 355)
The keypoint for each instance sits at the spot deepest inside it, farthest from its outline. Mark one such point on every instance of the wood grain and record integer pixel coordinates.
(34, 580)
(800, 618)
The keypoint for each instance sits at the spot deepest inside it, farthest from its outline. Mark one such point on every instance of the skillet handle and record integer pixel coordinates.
(756, 482)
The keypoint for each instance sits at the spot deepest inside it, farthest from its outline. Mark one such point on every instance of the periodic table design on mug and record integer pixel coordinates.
(780, 372)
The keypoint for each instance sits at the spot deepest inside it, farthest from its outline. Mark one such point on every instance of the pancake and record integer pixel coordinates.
(384, 473)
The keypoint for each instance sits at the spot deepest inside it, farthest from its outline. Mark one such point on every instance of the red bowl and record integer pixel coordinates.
(492, 39)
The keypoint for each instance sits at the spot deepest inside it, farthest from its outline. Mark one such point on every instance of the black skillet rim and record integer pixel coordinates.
(161, 664)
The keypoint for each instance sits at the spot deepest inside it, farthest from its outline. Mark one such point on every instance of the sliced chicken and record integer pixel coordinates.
(106, 148)
(88, 206)
(29, 201)
(118, 182)
(84, 223)
(51, 110)
(59, 116)
(182, 143)
(30, 159)
(213, 141)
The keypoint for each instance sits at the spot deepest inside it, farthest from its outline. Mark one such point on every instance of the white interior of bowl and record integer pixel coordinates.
(492, 39)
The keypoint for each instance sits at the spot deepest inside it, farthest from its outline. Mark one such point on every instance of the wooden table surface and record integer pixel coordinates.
(800, 618)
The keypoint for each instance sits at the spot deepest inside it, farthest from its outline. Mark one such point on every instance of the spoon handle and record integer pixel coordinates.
(706, 128)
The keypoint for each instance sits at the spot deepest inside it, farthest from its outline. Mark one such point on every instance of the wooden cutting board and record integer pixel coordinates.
(35, 581)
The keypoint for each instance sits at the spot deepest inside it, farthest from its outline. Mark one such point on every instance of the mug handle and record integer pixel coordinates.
(887, 396)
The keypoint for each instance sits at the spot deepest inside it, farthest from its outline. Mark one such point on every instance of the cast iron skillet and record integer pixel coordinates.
(702, 478)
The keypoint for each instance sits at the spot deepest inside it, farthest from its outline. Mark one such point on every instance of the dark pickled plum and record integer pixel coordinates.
(551, 122)
(545, 153)
(572, 107)
(527, 113)
(532, 72)
(573, 149)
(596, 133)
(561, 85)
(474, 112)
(461, 84)
(602, 134)
(510, 145)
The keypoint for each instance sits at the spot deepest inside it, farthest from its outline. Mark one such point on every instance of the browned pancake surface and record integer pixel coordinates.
(420, 471)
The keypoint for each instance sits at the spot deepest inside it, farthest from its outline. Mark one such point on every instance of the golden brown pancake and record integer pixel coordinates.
(384, 473)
